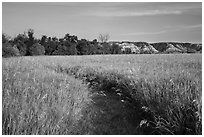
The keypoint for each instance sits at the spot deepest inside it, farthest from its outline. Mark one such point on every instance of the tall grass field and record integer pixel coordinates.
(102, 95)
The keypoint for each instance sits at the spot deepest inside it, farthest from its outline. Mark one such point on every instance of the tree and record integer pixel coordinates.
(103, 37)
(115, 49)
(128, 51)
(67, 45)
(70, 38)
(22, 48)
(20, 38)
(4, 38)
(30, 35)
(43, 40)
(70, 48)
(106, 48)
(20, 41)
(94, 48)
(8, 50)
(37, 49)
(50, 44)
(30, 41)
(94, 41)
(82, 47)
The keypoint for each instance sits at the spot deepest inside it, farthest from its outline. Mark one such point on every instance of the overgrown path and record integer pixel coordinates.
(112, 109)
(125, 106)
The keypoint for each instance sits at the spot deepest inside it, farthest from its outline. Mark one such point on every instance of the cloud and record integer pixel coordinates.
(127, 9)
(134, 13)
(140, 9)
(183, 27)
(143, 33)
(167, 29)
(156, 12)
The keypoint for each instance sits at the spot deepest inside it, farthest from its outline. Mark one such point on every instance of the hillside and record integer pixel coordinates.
(161, 47)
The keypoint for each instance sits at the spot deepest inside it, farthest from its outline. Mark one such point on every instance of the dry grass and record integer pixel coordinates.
(112, 94)
(37, 101)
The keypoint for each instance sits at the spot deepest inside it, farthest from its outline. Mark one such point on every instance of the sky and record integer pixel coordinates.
(123, 21)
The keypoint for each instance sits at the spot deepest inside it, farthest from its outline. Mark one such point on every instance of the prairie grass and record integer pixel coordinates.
(112, 94)
(168, 105)
(37, 101)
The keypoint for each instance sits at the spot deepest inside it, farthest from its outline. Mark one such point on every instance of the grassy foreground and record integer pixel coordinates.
(111, 94)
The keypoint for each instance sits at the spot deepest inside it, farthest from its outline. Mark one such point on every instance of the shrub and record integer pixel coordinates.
(8, 50)
(37, 49)
(22, 48)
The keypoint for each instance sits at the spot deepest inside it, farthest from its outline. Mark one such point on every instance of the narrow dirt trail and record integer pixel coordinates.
(108, 115)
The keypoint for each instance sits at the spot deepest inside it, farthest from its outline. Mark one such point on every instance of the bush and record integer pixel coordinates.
(37, 49)
(8, 50)
(60, 50)
(66, 48)
(82, 47)
(50, 47)
(22, 48)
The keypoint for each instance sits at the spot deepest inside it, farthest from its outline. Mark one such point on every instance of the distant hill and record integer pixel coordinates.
(172, 49)
(161, 47)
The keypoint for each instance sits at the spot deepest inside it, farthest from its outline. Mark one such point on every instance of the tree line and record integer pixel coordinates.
(27, 45)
